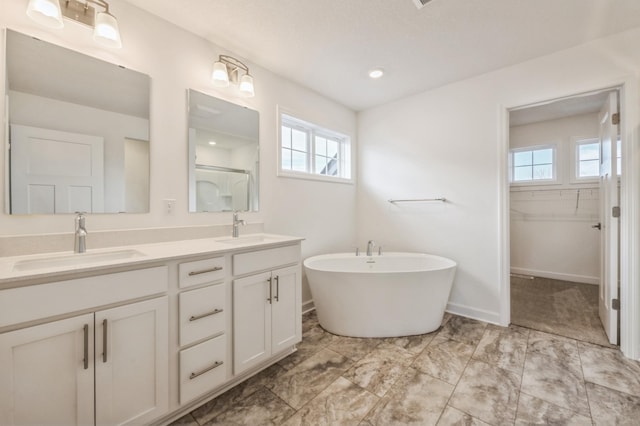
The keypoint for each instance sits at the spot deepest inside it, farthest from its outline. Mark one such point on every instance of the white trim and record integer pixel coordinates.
(574, 159)
(345, 139)
(554, 146)
(474, 313)
(504, 219)
(308, 306)
(629, 220)
(585, 279)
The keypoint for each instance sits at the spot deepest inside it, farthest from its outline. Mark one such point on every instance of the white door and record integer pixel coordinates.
(46, 374)
(610, 231)
(55, 172)
(132, 363)
(251, 321)
(286, 329)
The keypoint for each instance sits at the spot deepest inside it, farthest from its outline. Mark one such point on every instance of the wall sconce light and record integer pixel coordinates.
(104, 24)
(227, 70)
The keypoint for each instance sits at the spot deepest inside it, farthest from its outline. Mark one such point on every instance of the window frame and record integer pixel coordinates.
(345, 150)
(575, 158)
(535, 182)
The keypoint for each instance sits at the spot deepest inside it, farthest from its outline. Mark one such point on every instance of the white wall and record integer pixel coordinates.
(448, 142)
(176, 60)
(551, 233)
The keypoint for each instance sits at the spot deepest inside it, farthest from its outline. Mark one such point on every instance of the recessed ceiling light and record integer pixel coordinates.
(212, 143)
(376, 73)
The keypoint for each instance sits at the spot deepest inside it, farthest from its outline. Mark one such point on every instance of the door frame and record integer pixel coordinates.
(629, 205)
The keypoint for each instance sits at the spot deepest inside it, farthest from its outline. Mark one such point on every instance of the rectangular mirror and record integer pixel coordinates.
(78, 132)
(224, 160)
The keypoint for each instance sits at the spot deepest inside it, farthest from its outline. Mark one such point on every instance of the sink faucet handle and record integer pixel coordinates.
(379, 250)
(80, 220)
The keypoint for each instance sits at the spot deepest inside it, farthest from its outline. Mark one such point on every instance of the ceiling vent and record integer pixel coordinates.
(421, 3)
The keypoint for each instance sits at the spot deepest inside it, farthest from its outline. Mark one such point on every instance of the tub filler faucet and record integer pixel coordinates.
(236, 223)
(80, 244)
(370, 245)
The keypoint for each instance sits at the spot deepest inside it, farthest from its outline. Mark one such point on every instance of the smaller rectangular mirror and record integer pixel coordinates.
(224, 160)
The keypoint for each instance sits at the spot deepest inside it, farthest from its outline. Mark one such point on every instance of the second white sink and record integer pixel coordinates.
(73, 259)
(249, 239)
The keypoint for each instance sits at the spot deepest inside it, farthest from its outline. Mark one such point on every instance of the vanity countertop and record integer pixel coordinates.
(18, 270)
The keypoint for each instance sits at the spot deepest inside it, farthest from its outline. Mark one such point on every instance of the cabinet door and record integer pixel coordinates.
(46, 374)
(132, 363)
(251, 321)
(286, 310)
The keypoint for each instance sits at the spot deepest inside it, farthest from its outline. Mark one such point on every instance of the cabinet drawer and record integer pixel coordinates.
(203, 368)
(58, 298)
(245, 263)
(201, 272)
(202, 313)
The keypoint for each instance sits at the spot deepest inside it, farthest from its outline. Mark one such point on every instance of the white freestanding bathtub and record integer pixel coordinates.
(395, 294)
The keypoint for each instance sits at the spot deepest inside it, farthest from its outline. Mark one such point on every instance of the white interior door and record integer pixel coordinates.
(610, 231)
(55, 172)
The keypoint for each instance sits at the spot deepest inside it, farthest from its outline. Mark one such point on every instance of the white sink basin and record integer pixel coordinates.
(249, 239)
(74, 259)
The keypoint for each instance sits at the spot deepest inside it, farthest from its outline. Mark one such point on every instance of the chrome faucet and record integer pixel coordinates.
(236, 222)
(370, 245)
(80, 245)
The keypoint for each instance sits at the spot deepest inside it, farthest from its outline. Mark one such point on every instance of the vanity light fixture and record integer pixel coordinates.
(104, 24)
(227, 69)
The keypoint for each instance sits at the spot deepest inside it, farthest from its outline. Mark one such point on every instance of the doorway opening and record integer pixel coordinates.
(564, 169)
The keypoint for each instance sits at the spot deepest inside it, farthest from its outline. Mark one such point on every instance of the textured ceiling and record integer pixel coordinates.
(329, 45)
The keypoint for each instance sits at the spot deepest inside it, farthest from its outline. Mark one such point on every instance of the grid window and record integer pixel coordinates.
(533, 165)
(588, 156)
(295, 149)
(310, 150)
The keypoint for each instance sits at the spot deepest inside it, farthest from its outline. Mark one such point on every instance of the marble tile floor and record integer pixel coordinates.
(558, 307)
(466, 373)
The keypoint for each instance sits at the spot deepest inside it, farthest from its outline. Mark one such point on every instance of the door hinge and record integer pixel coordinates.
(615, 304)
(615, 118)
(615, 211)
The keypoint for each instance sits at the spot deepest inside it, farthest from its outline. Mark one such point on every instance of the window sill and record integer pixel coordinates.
(309, 176)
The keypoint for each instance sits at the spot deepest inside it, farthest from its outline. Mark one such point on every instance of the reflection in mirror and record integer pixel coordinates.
(223, 155)
(78, 132)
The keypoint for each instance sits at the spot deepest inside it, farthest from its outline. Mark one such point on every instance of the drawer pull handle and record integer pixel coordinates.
(85, 330)
(201, 372)
(277, 297)
(270, 298)
(204, 271)
(197, 317)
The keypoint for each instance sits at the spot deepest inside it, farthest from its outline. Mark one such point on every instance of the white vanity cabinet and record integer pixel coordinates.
(105, 367)
(266, 305)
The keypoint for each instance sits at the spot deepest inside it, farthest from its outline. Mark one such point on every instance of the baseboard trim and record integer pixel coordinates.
(474, 313)
(308, 306)
(556, 275)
